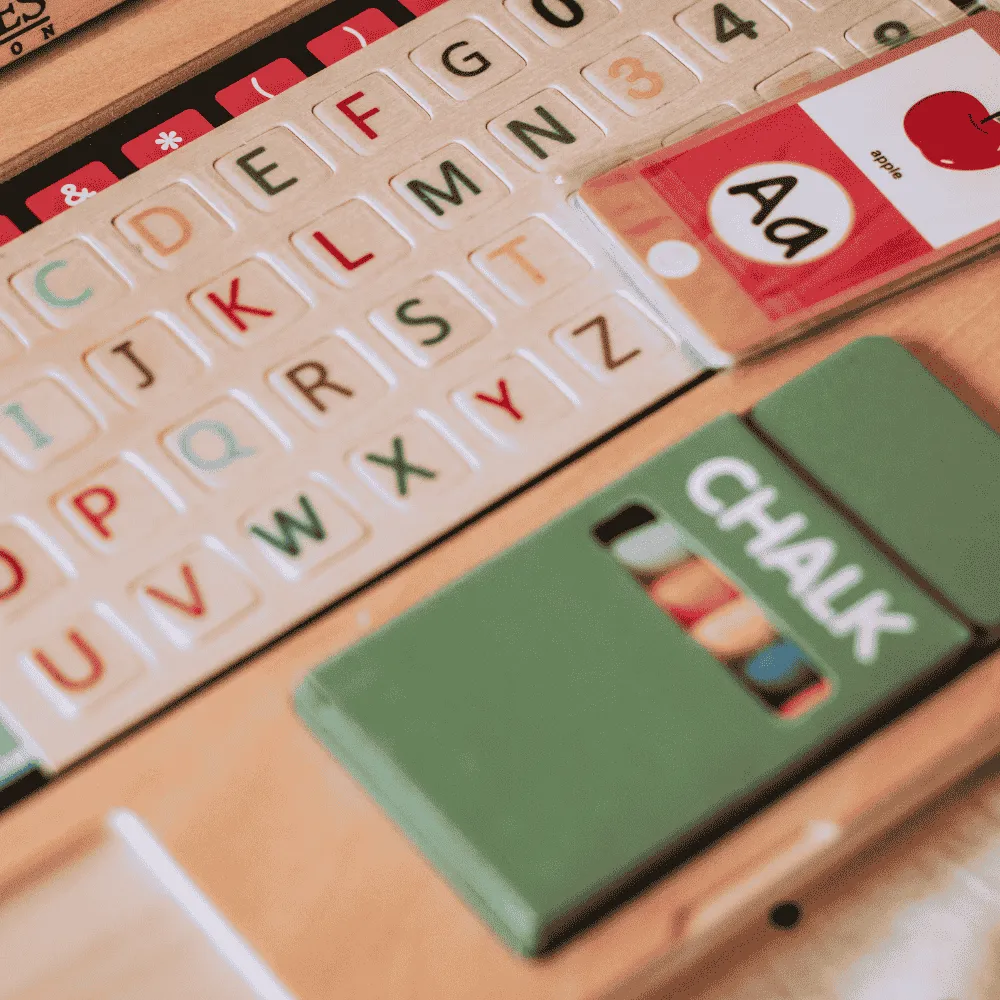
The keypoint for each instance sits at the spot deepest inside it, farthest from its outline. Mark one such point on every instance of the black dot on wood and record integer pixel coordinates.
(786, 915)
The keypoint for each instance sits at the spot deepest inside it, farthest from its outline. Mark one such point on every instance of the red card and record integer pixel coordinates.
(165, 138)
(351, 36)
(8, 231)
(258, 87)
(823, 201)
(880, 237)
(72, 190)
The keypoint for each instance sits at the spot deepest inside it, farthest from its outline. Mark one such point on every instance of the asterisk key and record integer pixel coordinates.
(168, 140)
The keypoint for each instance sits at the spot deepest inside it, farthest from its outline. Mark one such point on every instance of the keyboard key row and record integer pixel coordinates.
(297, 530)
(326, 384)
(639, 76)
(447, 188)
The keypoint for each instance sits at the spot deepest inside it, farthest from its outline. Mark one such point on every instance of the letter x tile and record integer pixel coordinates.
(411, 463)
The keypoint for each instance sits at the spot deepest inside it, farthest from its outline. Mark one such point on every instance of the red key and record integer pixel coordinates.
(351, 36)
(258, 87)
(166, 137)
(72, 190)
(8, 231)
(419, 7)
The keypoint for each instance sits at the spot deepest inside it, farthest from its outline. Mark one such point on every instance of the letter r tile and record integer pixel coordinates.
(172, 226)
(514, 403)
(81, 662)
(371, 114)
(303, 528)
(530, 262)
(410, 464)
(249, 302)
(195, 595)
(328, 383)
(272, 169)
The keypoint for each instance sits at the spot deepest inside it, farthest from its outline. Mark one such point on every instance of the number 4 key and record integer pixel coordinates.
(731, 30)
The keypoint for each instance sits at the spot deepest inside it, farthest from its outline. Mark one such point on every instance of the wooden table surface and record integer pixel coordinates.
(327, 891)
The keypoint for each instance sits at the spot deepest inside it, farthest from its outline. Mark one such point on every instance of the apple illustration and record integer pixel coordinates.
(955, 130)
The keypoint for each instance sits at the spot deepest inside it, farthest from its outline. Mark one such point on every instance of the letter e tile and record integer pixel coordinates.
(272, 169)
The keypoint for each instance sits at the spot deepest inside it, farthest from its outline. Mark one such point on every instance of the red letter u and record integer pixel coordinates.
(89, 654)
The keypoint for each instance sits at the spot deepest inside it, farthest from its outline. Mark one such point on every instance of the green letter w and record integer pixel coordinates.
(288, 525)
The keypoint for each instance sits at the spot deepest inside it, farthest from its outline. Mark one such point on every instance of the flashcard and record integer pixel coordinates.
(751, 233)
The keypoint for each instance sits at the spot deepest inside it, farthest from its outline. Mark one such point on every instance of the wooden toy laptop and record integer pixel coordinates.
(510, 510)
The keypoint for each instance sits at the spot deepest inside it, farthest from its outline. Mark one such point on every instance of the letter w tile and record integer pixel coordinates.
(290, 527)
